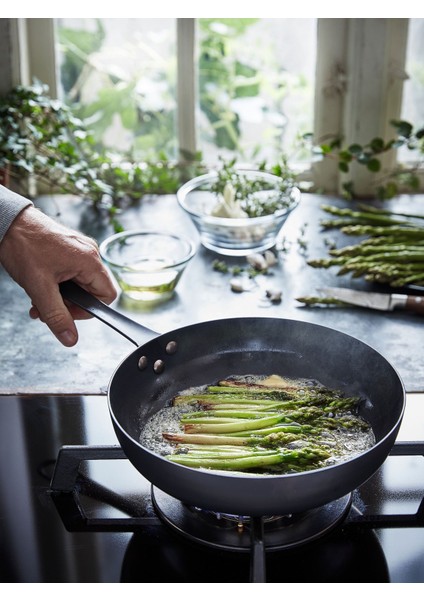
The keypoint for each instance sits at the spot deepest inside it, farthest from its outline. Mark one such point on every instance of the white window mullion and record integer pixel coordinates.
(375, 62)
(330, 89)
(186, 87)
(15, 68)
(41, 52)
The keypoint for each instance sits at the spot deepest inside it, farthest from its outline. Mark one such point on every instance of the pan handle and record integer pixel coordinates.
(126, 327)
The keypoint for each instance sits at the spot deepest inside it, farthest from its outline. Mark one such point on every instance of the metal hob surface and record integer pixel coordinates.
(107, 527)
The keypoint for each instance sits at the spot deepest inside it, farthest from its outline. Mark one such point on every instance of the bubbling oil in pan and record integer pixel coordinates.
(346, 442)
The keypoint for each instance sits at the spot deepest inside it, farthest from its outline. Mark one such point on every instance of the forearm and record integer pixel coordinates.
(11, 205)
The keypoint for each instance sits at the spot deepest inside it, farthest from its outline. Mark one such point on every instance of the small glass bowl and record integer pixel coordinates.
(236, 236)
(147, 264)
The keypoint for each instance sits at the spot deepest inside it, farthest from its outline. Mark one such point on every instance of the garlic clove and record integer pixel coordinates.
(228, 207)
(270, 258)
(236, 285)
(257, 261)
(274, 296)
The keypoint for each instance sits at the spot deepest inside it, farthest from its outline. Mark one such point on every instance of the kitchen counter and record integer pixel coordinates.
(33, 362)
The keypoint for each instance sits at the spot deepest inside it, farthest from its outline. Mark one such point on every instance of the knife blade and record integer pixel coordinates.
(376, 300)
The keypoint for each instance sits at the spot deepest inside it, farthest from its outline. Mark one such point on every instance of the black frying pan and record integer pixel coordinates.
(146, 380)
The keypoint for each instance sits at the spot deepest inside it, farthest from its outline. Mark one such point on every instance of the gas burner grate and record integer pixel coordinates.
(67, 484)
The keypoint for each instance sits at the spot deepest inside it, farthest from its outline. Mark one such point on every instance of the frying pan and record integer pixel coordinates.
(165, 364)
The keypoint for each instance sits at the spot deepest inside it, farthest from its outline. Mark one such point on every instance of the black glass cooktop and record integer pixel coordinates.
(110, 526)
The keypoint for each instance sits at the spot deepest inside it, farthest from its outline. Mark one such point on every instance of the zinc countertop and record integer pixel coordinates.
(33, 362)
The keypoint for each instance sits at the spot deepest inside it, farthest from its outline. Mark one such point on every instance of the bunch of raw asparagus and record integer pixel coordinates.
(392, 251)
(239, 427)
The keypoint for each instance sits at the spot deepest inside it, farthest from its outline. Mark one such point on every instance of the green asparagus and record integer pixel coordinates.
(255, 428)
(392, 253)
(295, 460)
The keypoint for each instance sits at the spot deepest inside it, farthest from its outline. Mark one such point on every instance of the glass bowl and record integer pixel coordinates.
(147, 264)
(238, 236)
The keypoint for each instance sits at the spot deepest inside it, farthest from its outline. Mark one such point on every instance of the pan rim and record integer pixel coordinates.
(393, 431)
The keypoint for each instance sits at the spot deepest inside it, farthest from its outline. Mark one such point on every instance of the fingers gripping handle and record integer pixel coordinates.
(133, 331)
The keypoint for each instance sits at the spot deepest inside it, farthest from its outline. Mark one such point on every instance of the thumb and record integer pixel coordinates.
(55, 314)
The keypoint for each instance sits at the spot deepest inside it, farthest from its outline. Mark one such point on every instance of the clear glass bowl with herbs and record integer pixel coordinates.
(238, 212)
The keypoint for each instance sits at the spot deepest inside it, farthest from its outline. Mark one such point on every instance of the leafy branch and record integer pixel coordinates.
(41, 136)
(369, 155)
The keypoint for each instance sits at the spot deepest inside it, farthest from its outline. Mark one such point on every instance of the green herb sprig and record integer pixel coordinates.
(246, 188)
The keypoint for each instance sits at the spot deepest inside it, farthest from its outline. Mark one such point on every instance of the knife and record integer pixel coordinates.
(376, 300)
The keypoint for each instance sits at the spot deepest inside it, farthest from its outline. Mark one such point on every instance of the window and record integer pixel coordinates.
(413, 92)
(255, 85)
(120, 76)
(335, 80)
(254, 82)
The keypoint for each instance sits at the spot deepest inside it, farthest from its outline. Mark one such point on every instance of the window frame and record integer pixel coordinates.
(355, 99)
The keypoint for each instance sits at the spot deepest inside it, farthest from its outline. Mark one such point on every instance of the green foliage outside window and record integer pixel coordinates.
(118, 97)
(61, 145)
(222, 79)
(227, 74)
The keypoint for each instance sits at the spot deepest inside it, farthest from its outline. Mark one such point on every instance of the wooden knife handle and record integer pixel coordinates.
(415, 304)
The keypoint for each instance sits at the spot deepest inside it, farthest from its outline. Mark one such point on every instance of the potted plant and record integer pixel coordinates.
(41, 138)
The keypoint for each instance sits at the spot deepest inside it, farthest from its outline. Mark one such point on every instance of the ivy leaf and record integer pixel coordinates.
(388, 191)
(364, 158)
(377, 145)
(391, 190)
(336, 143)
(411, 180)
(355, 149)
(344, 167)
(403, 128)
(345, 156)
(390, 144)
(325, 148)
(348, 190)
(374, 165)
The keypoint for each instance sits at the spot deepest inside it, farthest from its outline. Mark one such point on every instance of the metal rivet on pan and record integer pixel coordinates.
(159, 366)
(171, 347)
(142, 362)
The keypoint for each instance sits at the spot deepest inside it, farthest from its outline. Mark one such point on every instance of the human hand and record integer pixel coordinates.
(39, 253)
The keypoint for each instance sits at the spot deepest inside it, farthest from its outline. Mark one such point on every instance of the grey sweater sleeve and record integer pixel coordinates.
(11, 204)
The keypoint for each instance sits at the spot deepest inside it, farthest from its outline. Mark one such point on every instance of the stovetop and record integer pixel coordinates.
(106, 527)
